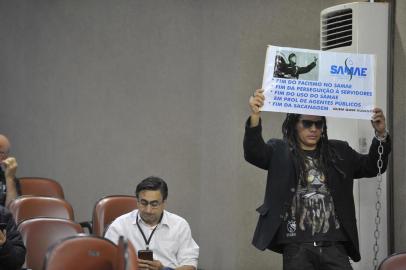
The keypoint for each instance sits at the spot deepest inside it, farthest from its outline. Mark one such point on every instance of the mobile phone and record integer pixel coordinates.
(145, 254)
(3, 226)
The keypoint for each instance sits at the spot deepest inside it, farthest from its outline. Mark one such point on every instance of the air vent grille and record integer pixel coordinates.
(336, 29)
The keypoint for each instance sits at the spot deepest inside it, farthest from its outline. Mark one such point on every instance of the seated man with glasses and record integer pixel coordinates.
(9, 184)
(308, 213)
(152, 228)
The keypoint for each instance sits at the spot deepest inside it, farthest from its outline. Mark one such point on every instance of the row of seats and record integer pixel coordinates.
(46, 222)
(53, 204)
(104, 212)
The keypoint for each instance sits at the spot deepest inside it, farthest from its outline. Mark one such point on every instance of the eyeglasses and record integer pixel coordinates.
(309, 123)
(145, 203)
(4, 153)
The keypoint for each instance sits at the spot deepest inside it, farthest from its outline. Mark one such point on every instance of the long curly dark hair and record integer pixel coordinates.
(324, 154)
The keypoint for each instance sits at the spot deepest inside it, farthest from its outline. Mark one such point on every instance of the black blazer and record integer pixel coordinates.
(276, 157)
(12, 252)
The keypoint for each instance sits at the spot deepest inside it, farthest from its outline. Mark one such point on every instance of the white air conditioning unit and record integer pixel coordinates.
(361, 27)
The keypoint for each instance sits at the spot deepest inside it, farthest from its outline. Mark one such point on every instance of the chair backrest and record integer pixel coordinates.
(395, 261)
(126, 255)
(107, 209)
(40, 233)
(82, 252)
(26, 207)
(40, 186)
(132, 258)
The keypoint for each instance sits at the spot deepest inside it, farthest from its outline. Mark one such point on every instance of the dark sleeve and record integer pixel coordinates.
(367, 164)
(12, 253)
(18, 186)
(306, 69)
(256, 151)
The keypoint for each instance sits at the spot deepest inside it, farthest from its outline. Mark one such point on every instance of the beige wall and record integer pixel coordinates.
(99, 94)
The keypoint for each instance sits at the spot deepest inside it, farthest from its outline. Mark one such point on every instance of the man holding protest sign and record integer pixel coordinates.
(308, 213)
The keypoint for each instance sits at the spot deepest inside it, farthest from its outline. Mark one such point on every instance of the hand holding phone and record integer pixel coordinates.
(145, 254)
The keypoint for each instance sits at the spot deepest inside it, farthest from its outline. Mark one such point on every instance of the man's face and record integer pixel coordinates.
(4, 150)
(309, 129)
(150, 206)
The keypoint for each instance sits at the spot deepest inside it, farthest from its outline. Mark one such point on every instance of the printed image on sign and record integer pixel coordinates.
(319, 82)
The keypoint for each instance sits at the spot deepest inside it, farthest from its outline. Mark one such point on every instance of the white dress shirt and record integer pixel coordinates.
(172, 241)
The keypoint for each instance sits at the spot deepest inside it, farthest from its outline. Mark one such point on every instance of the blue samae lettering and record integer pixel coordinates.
(355, 71)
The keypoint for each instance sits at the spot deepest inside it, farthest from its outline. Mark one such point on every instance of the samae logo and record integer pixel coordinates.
(348, 69)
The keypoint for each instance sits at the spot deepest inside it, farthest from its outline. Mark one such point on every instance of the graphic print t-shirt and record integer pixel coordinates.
(311, 216)
(3, 187)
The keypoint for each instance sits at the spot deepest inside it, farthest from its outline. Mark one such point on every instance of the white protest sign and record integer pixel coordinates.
(319, 82)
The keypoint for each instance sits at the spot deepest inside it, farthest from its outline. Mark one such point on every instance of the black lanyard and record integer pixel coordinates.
(150, 236)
